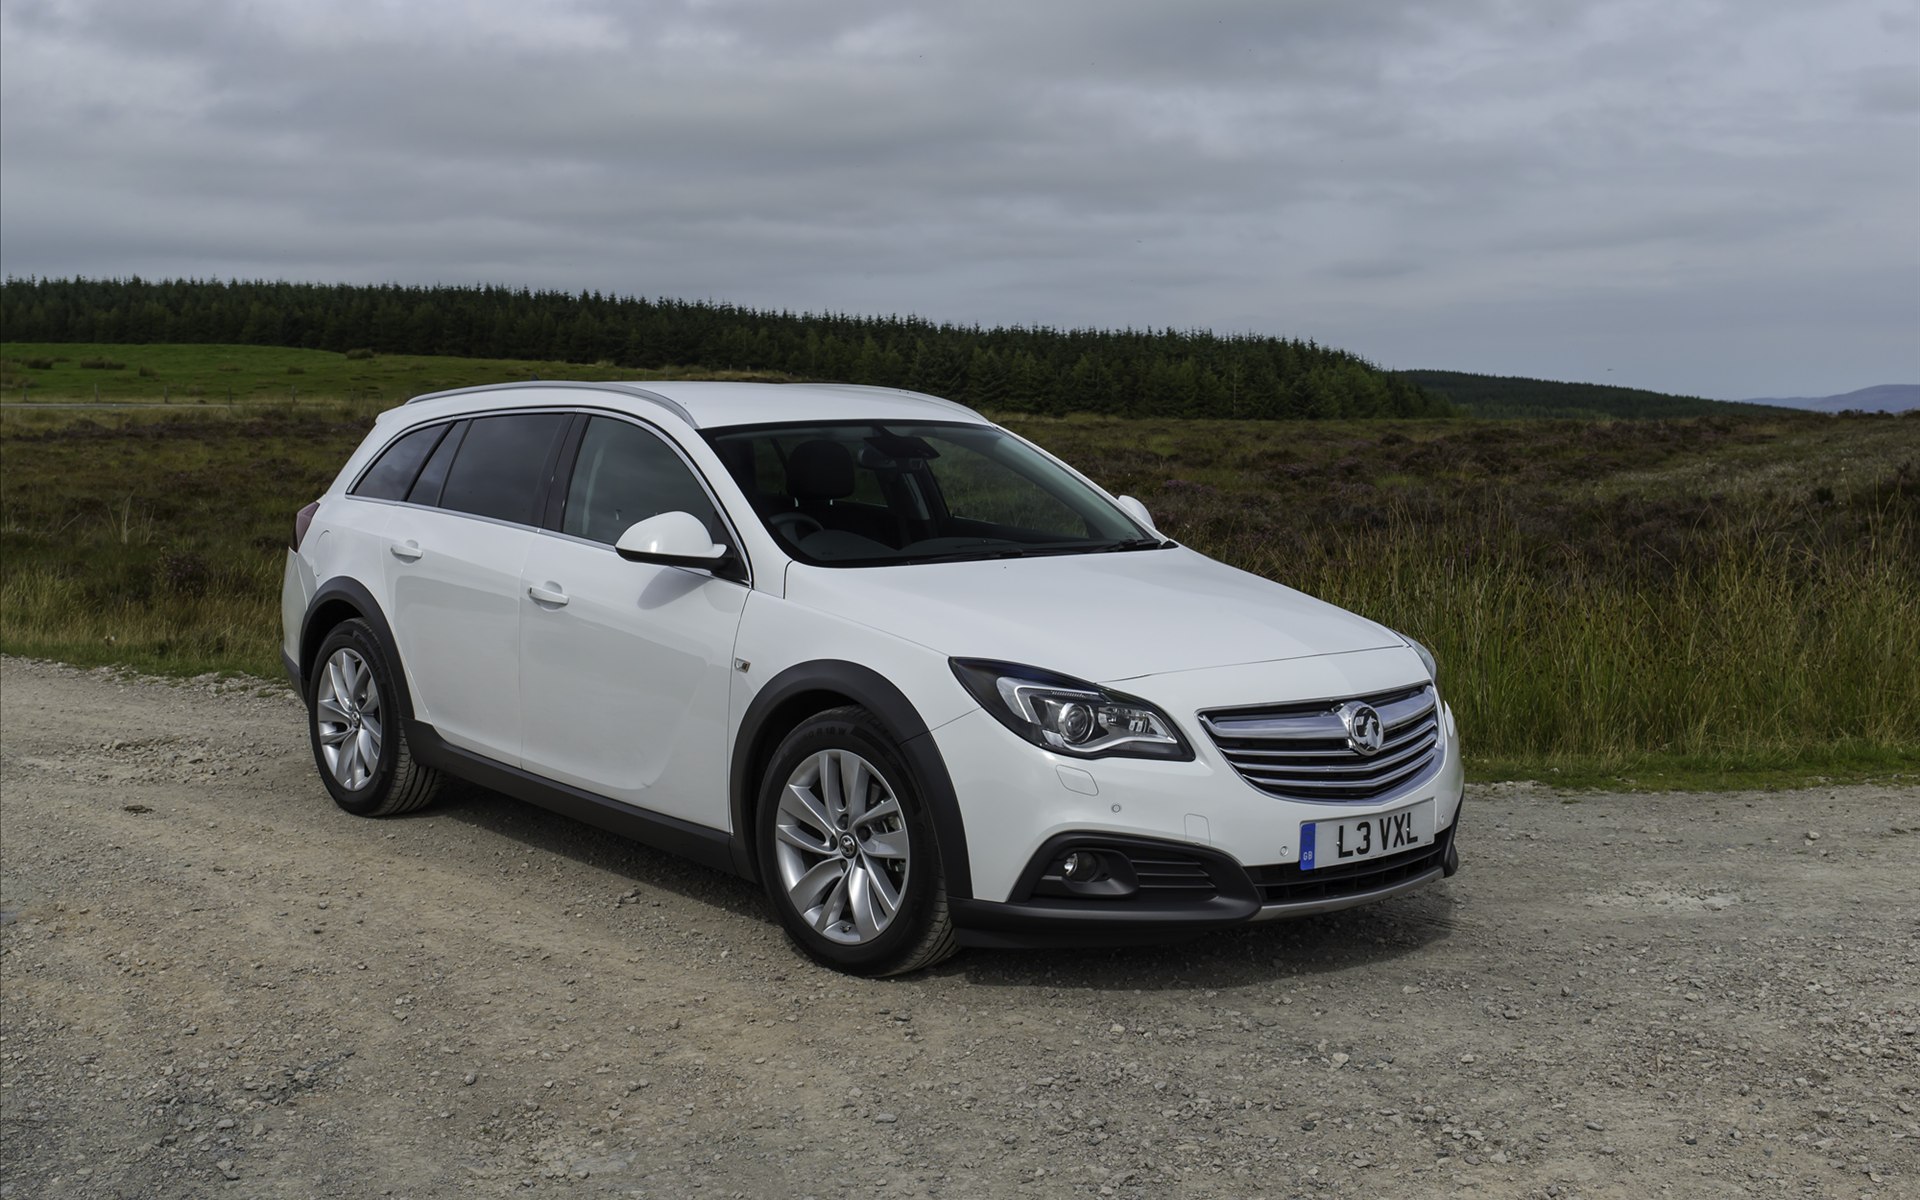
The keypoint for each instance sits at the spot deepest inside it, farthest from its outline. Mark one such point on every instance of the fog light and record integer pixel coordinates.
(1092, 874)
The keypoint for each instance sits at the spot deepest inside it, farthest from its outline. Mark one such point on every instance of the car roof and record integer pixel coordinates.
(706, 404)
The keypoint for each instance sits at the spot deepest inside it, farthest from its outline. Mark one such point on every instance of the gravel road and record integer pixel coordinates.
(216, 983)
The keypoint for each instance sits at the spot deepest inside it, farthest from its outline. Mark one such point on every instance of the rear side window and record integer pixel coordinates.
(500, 465)
(624, 475)
(433, 476)
(392, 474)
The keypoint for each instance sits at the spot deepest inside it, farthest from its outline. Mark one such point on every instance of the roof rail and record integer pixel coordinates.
(942, 401)
(625, 389)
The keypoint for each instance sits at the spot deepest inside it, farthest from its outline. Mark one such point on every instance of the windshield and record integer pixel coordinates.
(867, 493)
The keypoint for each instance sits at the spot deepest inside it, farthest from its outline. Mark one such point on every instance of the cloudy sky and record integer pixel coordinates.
(1719, 197)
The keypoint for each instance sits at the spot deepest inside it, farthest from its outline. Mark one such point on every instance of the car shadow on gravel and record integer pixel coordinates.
(1303, 948)
(552, 833)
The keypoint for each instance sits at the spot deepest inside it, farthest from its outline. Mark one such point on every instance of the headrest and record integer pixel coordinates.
(820, 470)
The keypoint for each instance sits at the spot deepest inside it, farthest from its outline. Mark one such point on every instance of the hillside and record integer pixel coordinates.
(1126, 372)
(1887, 397)
(1513, 396)
(217, 374)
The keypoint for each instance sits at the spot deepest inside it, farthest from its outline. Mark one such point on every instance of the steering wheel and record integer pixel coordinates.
(794, 526)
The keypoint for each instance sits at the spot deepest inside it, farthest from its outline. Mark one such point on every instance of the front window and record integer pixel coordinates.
(868, 493)
(623, 475)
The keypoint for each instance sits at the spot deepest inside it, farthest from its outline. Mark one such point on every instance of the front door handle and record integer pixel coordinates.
(553, 596)
(408, 551)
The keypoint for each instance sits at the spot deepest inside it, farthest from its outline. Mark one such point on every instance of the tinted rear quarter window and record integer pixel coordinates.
(433, 476)
(392, 474)
(501, 464)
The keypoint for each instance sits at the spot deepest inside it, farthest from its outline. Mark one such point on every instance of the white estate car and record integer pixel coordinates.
(926, 683)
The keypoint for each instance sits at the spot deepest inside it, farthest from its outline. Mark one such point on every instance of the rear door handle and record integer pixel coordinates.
(408, 551)
(551, 596)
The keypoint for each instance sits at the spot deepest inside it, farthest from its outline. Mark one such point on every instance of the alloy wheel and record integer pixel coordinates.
(349, 719)
(843, 848)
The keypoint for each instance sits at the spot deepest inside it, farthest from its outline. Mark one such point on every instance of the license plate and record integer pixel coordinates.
(1357, 839)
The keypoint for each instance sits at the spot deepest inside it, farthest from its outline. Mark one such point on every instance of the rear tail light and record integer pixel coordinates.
(301, 520)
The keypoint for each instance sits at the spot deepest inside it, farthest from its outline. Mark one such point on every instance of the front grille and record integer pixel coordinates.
(1300, 751)
(1288, 884)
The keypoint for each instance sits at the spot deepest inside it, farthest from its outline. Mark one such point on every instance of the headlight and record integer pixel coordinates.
(1070, 716)
(1426, 656)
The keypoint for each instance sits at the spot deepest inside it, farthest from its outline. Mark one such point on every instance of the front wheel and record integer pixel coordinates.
(355, 722)
(847, 852)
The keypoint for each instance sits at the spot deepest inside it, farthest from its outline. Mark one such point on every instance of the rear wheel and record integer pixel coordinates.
(354, 720)
(847, 851)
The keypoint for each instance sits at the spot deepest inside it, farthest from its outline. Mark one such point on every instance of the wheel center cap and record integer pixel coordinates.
(848, 846)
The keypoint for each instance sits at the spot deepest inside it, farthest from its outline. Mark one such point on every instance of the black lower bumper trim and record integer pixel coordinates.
(1242, 895)
(1044, 923)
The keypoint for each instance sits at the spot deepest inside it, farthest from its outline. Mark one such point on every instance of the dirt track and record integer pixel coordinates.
(216, 983)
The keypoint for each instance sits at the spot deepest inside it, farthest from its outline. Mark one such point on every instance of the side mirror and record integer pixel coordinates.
(672, 539)
(1138, 512)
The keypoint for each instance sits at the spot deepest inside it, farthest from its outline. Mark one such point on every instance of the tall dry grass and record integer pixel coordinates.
(1738, 592)
(231, 626)
(1757, 650)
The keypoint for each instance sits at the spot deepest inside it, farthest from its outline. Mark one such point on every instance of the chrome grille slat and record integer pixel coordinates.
(1394, 712)
(1321, 726)
(1394, 742)
(1300, 751)
(1377, 783)
(1353, 763)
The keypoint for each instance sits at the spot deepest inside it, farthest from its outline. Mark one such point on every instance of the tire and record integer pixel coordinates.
(356, 720)
(847, 852)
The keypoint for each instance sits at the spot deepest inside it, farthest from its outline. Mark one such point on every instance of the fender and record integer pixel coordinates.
(877, 694)
(350, 592)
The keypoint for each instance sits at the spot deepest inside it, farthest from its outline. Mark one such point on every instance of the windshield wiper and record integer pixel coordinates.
(1006, 550)
(1056, 549)
(1016, 550)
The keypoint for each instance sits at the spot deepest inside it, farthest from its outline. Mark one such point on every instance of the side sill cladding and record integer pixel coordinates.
(761, 730)
(708, 847)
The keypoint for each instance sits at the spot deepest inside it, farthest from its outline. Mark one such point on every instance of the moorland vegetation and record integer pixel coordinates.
(1701, 600)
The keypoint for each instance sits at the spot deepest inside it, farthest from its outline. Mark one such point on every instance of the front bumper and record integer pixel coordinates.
(1016, 798)
(1173, 903)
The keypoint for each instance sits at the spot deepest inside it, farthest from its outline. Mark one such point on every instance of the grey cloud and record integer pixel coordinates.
(1889, 92)
(1478, 184)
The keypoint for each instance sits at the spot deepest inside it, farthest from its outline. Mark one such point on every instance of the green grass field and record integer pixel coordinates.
(1689, 603)
(184, 374)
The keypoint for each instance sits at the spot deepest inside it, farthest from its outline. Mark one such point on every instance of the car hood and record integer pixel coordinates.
(1101, 617)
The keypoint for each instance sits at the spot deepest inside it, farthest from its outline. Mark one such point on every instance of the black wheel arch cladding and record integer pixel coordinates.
(833, 683)
(330, 599)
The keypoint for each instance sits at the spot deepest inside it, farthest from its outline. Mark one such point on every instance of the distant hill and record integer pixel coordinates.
(1512, 396)
(1028, 369)
(1887, 397)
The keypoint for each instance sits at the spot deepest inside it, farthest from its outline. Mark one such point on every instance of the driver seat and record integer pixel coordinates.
(818, 473)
